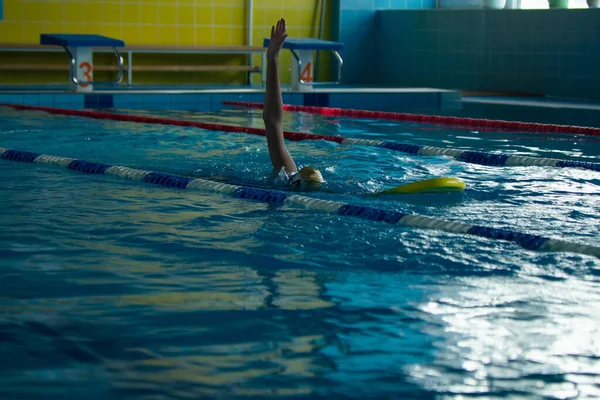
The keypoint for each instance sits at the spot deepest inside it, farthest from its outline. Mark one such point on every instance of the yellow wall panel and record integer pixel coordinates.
(92, 12)
(238, 16)
(167, 35)
(31, 32)
(204, 35)
(238, 36)
(149, 34)
(113, 30)
(185, 15)
(222, 36)
(166, 22)
(13, 10)
(111, 13)
(204, 15)
(167, 14)
(258, 18)
(33, 11)
(222, 16)
(132, 13)
(149, 13)
(132, 34)
(68, 27)
(53, 27)
(185, 35)
(273, 15)
(73, 12)
(11, 32)
(92, 28)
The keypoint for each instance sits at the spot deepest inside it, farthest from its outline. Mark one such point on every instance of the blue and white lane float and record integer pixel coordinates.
(475, 157)
(527, 241)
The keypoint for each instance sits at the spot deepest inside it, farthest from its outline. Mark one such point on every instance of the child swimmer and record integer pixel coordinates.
(284, 168)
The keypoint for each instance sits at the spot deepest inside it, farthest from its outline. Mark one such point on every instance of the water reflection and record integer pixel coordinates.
(490, 325)
(138, 291)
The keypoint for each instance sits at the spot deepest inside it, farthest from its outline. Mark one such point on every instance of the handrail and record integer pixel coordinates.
(147, 49)
(340, 63)
(74, 69)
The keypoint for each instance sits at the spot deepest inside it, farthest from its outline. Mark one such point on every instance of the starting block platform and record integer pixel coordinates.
(80, 49)
(302, 50)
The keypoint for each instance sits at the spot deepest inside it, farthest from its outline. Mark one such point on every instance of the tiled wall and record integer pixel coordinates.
(166, 22)
(206, 101)
(554, 52)
(354, 26)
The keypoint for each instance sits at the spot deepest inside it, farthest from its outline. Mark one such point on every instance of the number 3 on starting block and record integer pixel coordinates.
(86, 70)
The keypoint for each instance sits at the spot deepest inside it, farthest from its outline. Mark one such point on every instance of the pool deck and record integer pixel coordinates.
(527, 108)
(211, 98)
(534, 109)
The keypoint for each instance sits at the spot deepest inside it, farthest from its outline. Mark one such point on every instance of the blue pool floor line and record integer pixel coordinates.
(530, 242)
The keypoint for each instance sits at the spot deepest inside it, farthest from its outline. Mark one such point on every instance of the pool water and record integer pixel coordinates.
(120, 289)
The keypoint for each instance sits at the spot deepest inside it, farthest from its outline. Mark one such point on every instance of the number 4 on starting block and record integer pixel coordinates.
(307, 72)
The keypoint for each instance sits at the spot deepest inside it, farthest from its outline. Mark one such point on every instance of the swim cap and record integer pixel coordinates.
(310, 174)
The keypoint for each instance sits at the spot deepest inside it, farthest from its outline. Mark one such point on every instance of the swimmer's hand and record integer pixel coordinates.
(278, 36)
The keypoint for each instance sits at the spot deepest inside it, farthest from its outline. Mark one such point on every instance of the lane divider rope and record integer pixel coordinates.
(527, 241)
(472, 157)
(432, 119)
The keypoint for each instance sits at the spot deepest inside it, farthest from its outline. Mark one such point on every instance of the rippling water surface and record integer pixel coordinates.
(118, 289)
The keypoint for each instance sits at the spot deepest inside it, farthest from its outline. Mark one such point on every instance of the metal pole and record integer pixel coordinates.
(129, 68)
(321, 23)
(249, 26)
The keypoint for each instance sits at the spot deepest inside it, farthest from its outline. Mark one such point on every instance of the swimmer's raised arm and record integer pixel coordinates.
(273, 107)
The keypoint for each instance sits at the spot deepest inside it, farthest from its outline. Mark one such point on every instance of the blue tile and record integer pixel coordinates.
(316, 99)
(156, 102)
(350, 5)
(365, 19)
(128, 100)
(98, 101)
(348, 17)
(204, 107)
(46, 100)
(398, 4)
(68, 99)
(398, 102)
(216, 106)
(382, 4)
(366, 4)
(219, 98)
(190, 99)
(11, 99)
(31, 99)
(414, 4)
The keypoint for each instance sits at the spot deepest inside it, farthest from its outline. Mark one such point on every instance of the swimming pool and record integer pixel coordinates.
(113, 288)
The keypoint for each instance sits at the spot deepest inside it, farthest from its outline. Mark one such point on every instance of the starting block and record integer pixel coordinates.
(302, 50)
(80, 49)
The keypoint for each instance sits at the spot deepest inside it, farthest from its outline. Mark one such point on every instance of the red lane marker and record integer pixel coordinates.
(295, 136)
(487, 124)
